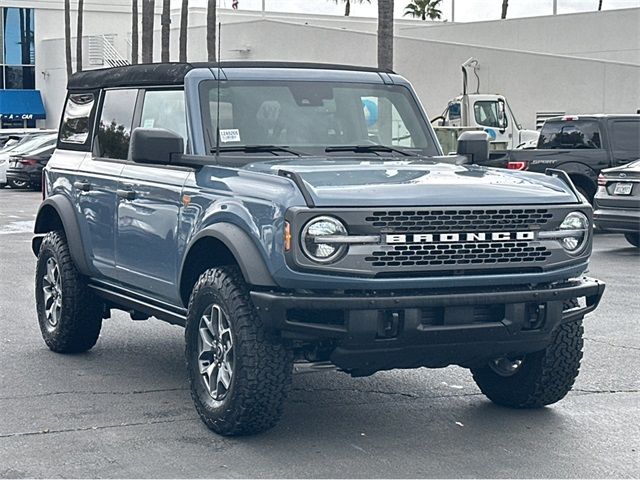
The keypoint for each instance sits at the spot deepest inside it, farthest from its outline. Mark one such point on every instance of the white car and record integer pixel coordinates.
(25, 145)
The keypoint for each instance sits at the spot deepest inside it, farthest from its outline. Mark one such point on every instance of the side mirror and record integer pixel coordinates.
(502, 114)
(155, 145)
(475, 146)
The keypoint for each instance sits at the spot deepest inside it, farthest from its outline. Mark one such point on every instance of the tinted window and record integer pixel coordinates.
(165, 109)
(76, 121)
(626, 136)
(18, 36)
(114, 129)
(570, 134)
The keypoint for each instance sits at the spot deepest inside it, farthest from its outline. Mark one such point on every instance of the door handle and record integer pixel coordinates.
(126, 194)
(83, 186)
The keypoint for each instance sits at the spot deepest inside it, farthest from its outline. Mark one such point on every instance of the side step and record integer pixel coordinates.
(132, 301)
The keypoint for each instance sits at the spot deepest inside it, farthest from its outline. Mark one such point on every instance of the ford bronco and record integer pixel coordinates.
(294, 212)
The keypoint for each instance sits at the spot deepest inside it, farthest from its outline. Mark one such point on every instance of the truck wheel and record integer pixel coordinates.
(239, 373)
(633, 239)
(539, 378)
(70, 316)
(19, 184)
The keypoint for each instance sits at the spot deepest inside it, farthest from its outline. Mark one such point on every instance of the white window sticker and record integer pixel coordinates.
(229, 135)
(149, 123)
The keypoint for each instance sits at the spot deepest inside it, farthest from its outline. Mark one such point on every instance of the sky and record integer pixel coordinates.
(465, 10)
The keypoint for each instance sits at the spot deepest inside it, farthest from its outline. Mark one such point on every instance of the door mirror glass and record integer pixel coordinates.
(502, 114)
(155, 146)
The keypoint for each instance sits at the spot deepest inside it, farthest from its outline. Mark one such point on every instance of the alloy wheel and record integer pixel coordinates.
(215, 352)
(52, 288)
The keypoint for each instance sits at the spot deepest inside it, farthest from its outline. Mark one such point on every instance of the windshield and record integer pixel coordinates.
(313, 117)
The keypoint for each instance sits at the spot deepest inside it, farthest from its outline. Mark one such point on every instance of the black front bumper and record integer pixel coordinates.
(409, 329)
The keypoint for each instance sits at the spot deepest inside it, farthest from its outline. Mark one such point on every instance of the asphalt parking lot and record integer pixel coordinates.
(124, 410)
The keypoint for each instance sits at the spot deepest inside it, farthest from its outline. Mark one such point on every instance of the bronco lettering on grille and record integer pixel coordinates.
(458, 237)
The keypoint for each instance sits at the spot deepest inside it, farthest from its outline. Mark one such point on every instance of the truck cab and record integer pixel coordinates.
(490, 113)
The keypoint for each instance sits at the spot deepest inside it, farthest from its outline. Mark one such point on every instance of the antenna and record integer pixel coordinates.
(218, 95)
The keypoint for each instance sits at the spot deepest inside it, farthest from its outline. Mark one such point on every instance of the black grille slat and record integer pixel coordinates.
(426, 221)
(457, 254)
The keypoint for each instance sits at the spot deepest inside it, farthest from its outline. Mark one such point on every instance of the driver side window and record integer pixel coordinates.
(489, 114)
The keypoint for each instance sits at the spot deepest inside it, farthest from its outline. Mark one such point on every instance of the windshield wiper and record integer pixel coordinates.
(367, 149)
(257, 149)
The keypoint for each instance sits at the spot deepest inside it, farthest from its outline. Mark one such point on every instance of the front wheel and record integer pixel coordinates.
(633, 239)
(239, 373)
(537, 379)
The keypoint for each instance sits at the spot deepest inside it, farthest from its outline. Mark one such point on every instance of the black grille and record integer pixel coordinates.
(444, 254)
(425, 221)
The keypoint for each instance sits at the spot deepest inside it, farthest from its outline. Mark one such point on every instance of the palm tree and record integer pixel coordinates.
(184, 24)
(166, 29)
(148, 18)
(211, 30)
(347, 5)
(79, 26)
(385, 34)
(423, 9)
(505, 5)
(67, 35)
(134, 32)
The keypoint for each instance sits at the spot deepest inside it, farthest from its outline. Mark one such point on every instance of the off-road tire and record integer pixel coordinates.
(544, 377)
(633, 239)
(262, 365)
(80, 319)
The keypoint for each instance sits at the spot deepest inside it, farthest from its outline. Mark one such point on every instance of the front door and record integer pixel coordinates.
(149, 205)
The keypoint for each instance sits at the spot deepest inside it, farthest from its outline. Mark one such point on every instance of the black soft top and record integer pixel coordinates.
(157, 74)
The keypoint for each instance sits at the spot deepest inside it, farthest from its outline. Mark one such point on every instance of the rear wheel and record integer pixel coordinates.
(18, 183)
(70, 316)
(633, 238)
(239, 373)
(537, 379)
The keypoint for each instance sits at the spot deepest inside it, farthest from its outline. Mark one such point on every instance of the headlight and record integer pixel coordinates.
(574, 232)
(312, 235)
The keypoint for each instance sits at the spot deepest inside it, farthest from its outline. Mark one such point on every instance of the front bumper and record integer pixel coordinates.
(617, 219)
(421, 328)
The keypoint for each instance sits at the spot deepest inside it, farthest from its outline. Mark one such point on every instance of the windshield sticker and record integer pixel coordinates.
(149, 123)
(229, 135)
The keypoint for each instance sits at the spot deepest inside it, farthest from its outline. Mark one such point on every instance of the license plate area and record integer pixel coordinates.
(622, 188)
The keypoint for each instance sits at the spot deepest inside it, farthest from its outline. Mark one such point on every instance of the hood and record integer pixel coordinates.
(373, 183)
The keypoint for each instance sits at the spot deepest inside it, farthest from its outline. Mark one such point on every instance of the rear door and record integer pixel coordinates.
(150, 203)
(624, 136)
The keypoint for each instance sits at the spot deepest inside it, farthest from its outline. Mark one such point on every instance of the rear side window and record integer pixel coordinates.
(626, 136)
(114, 129)
(77, 119)
(570, 135)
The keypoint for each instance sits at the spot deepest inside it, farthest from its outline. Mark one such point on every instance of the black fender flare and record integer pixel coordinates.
(243, 249)
(579, 169)
(67, 214)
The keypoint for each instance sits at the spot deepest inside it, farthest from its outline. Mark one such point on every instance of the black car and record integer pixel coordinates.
(617, 203)
(25, 170)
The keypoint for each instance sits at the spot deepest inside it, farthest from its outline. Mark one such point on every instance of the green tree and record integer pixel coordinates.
(424, 9)
(347, 5)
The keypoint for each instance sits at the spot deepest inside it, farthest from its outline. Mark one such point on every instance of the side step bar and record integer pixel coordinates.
(127, 300)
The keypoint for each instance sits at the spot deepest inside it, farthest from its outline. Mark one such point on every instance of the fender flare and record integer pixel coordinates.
(65, 210)
(243, 249)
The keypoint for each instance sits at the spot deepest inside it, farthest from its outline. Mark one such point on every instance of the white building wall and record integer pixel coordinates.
(531, 81)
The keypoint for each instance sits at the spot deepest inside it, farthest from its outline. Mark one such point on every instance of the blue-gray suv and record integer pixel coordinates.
(305, 213)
